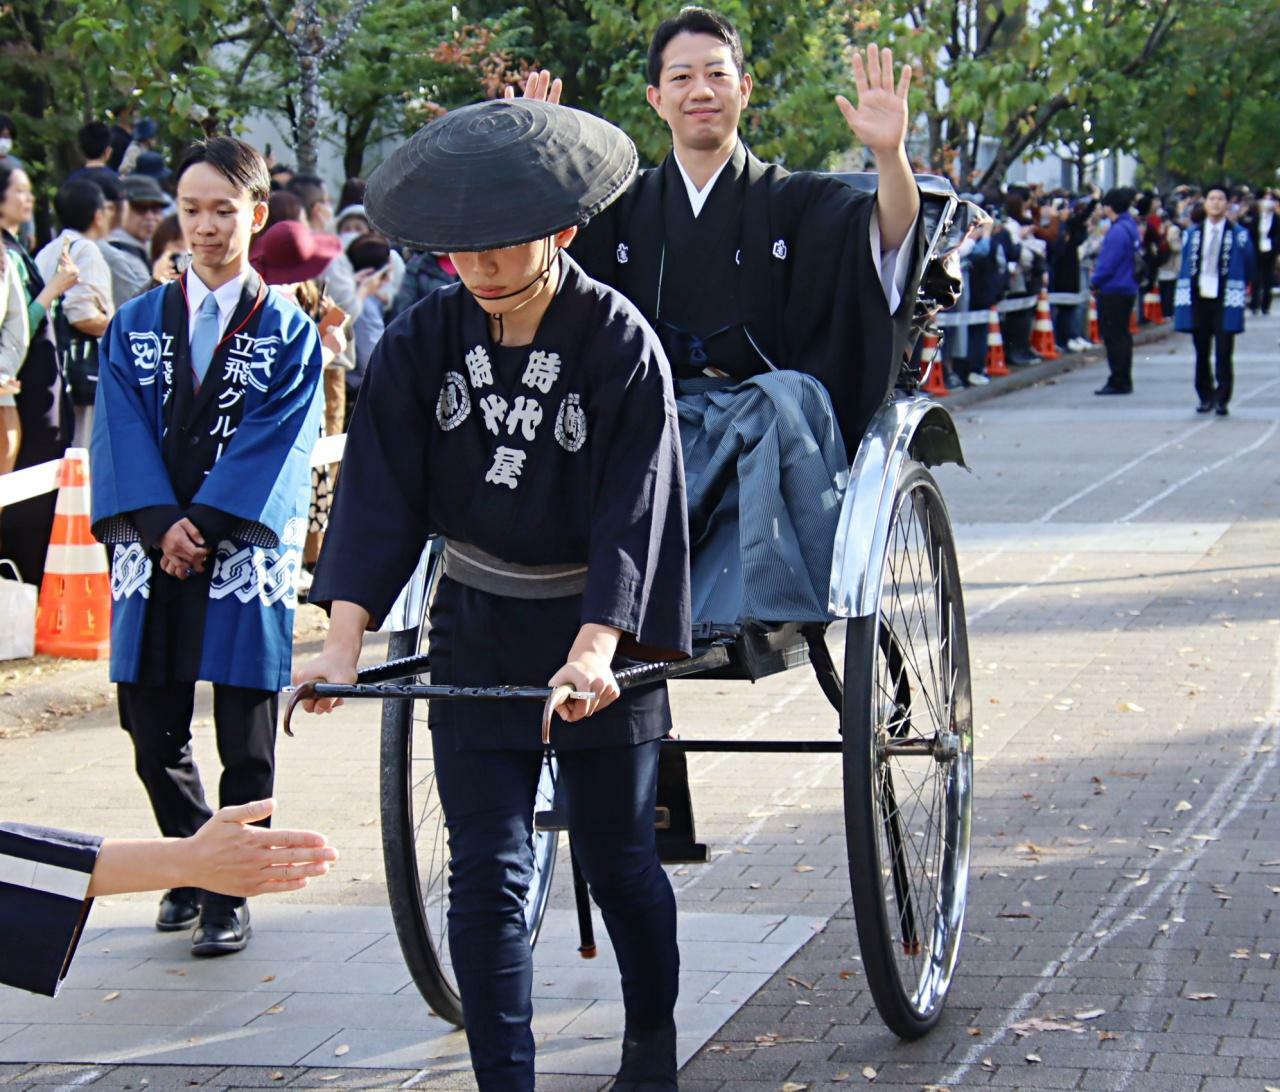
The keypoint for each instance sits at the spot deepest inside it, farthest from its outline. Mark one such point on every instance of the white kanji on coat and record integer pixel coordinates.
(236, 371)
(479, 368)
(542, 370)
(525, 415)
(508, 462)
(494, 408)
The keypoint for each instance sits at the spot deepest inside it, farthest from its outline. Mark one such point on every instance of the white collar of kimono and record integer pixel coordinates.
(227, 295)
(698, 197)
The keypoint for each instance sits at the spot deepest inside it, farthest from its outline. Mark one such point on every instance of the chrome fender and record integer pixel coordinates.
(913, 427)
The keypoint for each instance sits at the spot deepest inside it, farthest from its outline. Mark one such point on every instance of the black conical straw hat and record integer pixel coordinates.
(497, 174)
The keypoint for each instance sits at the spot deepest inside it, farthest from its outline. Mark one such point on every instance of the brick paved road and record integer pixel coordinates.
(1120, 571)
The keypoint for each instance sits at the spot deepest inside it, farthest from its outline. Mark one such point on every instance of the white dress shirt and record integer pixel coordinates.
(893, 277)
(1265, 219)
(1210, 253)
(227, 295)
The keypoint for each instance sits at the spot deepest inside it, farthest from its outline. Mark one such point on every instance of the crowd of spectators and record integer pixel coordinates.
(1051, 240)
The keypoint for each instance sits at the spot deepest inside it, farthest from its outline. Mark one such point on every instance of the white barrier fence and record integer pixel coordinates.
(1020, 303)
(32, 481)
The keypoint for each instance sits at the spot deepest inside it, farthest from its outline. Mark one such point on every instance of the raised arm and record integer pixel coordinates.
(879, 121)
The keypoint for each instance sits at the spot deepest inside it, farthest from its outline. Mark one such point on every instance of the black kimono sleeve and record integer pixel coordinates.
(379, 522)
(44, 880)
(638, 557)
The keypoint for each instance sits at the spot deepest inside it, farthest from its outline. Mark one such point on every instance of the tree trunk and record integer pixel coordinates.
(308, 114)
(357, 143)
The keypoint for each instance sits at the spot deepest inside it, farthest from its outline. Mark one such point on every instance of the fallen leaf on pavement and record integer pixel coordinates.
(1012, 914)
(792, 1086)
(1130, 707)
(1034, 1059)
(339, 1051)
(274, 1009)
(112, 995)
(869, 1073)
(975, 1032)
(1044, 1023)
(804, 868)
(1200, 996)
(268, 978)
(1183, 805)
(1104, 1036)
(1090, 1014)
(799, 982)
(277, 1076)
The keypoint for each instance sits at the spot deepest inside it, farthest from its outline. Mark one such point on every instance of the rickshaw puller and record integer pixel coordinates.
(527, 416)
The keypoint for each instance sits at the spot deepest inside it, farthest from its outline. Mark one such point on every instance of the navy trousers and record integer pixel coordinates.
(609, 795)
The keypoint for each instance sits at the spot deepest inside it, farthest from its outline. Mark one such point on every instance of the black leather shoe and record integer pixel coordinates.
(648, 1062)
(1204, 407)
(224, 928)
(1109, 389)
(1222, 410)
(179, 909)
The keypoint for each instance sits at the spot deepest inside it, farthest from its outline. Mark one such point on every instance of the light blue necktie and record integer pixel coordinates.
(205, 338)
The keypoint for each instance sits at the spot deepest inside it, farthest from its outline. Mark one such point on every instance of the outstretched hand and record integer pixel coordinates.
(229, 856)
(879, 120)
(538, 86)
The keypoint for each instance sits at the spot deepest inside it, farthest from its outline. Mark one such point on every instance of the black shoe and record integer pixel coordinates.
(1107, 388)
(179, 909)
(224, 928)
(648, 1062)
(1205, 406)
(1222, 410)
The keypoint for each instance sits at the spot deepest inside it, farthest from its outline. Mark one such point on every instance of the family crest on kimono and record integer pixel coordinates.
(208, 404)
(1218, 262)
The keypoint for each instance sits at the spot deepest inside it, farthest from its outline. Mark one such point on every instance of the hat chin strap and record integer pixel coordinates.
(543, 276)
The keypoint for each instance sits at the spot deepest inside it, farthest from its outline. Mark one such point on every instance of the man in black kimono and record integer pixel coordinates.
(783, 301)
(742, 266)
(525, 415)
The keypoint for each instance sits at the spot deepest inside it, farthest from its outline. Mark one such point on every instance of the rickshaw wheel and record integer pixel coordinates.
(415, 845)
(907, 723)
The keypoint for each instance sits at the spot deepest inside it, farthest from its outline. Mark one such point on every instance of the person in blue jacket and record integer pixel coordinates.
(208, 405)
(1115, 283)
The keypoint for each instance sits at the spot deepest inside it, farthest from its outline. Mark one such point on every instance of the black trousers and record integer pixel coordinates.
(488, 799)
(1113, 326)
(1214, 379)
(1263, 283)
(158, 719)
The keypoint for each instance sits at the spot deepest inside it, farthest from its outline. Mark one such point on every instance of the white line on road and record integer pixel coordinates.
(1013, 593)
(1199, 473)
(1238, 786)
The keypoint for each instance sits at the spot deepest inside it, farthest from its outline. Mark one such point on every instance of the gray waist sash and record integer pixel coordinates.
(473, 567)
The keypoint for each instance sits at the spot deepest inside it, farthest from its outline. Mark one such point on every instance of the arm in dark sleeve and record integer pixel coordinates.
(154, 522)
(44, 881)
(638, 557)
(379, 522)
(214, 523)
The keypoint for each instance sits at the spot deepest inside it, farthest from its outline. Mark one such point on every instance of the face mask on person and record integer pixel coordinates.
(347, 237)
(6, 145)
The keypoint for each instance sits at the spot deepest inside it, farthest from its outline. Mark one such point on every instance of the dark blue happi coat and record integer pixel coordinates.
(1236, 264)
(564, 451)
(236, 449)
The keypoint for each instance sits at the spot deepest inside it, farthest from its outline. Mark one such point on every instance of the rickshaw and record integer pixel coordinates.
(901, 697)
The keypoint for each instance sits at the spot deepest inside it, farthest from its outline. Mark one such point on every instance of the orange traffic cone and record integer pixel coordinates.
(996, 366)
(1095, 333)
(931, 368)
(74, 614)
(1042, 332)
(1151, 308)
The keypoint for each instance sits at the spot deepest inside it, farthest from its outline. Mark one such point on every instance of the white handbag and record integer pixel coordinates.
(17, 614)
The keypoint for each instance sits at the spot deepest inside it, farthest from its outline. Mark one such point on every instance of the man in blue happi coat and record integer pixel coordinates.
(1217, 262)
(208, 405)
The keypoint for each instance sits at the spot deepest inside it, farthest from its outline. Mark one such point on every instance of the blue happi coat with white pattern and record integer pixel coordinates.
(1235, 271)
(231, 454)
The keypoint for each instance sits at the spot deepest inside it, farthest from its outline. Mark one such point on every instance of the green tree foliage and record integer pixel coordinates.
(1011, 70)
(1209, 112)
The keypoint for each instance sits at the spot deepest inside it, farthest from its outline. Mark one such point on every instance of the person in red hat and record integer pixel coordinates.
(292, 258)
